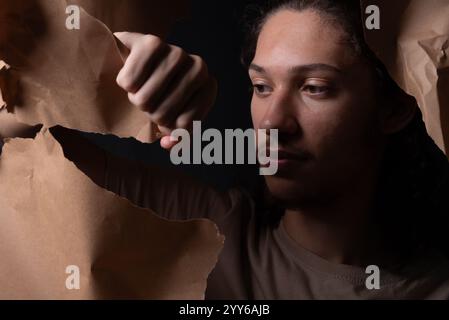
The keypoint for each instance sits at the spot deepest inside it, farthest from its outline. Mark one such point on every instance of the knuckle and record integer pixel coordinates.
(200, 68)
(125, 81)
(183, 122)
(151, 41)
(177, 54)
(138, 100)
(159, 118)
(164, 123)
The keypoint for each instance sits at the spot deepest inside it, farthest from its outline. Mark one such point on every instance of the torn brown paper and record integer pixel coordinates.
(68, 77)
(143, 16)
(53, 217)
(413, 43)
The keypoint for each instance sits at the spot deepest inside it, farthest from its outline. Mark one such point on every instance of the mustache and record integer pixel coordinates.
(298, 154)
(292, 154)
(281, 149)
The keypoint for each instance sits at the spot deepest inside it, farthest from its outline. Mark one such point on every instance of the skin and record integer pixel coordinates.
(310, 86)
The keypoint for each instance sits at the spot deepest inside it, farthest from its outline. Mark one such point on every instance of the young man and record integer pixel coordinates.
(314, 83)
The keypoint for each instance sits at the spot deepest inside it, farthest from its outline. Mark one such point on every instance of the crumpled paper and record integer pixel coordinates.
(53, 216)
(413, 43)
(143, 16)
(67, 77)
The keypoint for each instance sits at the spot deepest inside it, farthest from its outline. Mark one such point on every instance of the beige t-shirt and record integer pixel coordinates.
(263, 262)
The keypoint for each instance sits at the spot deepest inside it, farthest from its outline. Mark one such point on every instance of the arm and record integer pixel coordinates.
(175, 89)
(165, 190)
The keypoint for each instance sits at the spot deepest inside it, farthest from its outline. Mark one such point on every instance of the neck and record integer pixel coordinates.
(339, 231)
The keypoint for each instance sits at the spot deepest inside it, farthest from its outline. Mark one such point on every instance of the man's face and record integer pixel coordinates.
(310, 86)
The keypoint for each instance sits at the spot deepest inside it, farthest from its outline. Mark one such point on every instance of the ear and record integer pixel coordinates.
(397, 112)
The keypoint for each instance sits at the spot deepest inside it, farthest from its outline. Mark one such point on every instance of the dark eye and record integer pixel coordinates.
(261, 89)
(316, 90)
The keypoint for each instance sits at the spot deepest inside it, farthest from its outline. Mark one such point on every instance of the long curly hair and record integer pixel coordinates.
(413, 194)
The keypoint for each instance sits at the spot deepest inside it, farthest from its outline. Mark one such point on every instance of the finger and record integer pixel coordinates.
(140, 63)
(198, 106)
(128, 38)
(149, 94)
(165, 131)
(197, 109)
(167, 143)
(180, 92)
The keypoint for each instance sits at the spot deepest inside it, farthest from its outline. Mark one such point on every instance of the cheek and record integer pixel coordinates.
(335, 128)
(256, 114)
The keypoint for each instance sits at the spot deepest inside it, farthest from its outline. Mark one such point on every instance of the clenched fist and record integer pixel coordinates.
(175, 88)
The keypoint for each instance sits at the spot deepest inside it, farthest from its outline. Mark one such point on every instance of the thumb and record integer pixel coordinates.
(168, 143)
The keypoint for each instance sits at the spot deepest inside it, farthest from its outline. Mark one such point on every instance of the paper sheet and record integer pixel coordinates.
(143, 16)
(68, 77)
(413, 42)
(53, 216)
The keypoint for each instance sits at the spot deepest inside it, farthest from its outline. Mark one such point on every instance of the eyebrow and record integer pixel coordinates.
(301, 69)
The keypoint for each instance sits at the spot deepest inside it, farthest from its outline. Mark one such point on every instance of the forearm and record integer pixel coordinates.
(163, 189)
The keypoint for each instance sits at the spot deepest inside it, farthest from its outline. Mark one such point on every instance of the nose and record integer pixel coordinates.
(281, 114)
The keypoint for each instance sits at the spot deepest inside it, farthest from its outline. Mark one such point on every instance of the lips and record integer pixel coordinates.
(291, 156)
(287, 155)
(286, 158)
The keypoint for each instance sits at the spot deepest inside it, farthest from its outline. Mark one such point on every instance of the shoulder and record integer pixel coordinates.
(238, 206)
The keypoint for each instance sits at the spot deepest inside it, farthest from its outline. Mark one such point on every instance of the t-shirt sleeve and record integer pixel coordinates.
(167, 191)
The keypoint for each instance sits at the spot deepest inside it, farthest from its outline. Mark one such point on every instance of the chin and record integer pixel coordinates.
(288, 190)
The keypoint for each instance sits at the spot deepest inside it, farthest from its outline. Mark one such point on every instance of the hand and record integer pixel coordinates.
(173, 87)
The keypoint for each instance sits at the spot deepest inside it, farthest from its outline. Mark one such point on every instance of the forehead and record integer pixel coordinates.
(296, 38)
